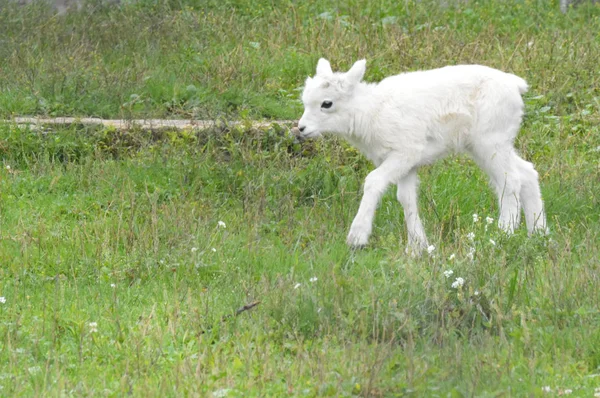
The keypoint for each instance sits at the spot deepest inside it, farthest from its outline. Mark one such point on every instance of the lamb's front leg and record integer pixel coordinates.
(376, 183)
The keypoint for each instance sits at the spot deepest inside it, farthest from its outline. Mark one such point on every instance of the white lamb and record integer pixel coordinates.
(412, 119)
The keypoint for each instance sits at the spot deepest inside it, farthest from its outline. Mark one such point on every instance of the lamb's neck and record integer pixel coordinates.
(364, 108)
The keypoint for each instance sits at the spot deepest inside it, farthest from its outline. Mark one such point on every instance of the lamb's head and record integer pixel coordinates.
(329, 101)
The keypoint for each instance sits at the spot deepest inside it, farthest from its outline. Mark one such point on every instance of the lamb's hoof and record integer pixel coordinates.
(507, 227)
(540, 230)
(416, 249)
(358, 237)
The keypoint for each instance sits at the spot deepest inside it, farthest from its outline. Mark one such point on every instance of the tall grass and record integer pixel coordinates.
(228, 58)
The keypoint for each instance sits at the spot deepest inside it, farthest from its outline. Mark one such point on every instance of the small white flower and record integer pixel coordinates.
(476, 293)
(34, 370)
(458, 283)
(319, 310)
(475, 218)
(297, 285)
(568, 391)
(471, 235)
(314, 279)
(93, 327)
(597, 395)
(221, 224)
(8, 167)
(452, 257)
(113, 285)
(214, 250)
(489, 220)
(194, 250)
(471, 255)
(2, 300)
(546, 389)
(448, 273)
(493, 242)
(223, 392)
(430, 249)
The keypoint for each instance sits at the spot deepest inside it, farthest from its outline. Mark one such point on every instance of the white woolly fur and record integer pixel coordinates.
(415, 118)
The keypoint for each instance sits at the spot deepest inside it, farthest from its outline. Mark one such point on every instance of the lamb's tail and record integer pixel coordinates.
(519, 82)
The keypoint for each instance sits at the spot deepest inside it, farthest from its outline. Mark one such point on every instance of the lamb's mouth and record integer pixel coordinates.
(305, 134)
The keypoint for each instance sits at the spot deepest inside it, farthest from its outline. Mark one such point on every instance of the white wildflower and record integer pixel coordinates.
(2, 300)
(314, 279)
(113, 285)
(430, 249)
(471, 235)
(214, 250)
(389, 20)
(297, 285)
(458, 283)
(471, 253)
(7, 167)
(546, 389)
(493, 242)
(223, 392)
(448, 273)
(489, 220)
(194, 250)
(567, 391)
(475, 218)
(476, 293)
(452, 257)
(93, 327)
(222, 224)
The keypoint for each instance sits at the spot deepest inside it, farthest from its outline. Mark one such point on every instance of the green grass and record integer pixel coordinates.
(84, 210)
(118, 279)
(231, 58)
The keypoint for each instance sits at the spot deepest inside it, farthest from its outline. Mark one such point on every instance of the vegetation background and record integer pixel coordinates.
(125, 255)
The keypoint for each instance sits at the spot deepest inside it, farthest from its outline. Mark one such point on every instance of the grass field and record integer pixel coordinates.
(126, 258)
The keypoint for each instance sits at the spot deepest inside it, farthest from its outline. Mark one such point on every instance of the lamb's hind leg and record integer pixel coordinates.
(531, 198)
(499, 161)
(408, 196)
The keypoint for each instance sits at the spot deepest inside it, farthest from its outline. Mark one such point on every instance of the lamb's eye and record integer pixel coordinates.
(326, 104)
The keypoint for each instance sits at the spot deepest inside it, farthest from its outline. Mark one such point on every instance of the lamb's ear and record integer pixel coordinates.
(324, 68)
(356, 73)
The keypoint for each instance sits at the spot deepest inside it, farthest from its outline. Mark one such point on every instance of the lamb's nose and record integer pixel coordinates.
(301, 128)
